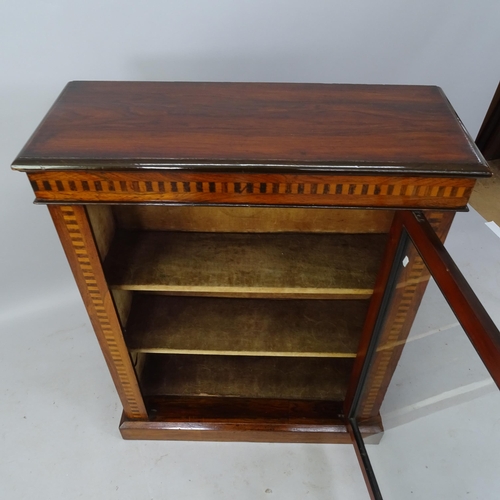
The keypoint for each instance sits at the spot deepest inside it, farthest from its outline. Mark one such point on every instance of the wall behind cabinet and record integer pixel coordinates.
(450, 43)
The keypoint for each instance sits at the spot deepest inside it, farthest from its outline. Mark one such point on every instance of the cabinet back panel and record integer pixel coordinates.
(252, 219)
(245, 376)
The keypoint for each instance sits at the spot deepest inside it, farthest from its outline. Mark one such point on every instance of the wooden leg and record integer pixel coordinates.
(74, 231)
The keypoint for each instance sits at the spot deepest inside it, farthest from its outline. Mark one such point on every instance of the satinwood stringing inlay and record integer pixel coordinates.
(182, 187)
(100, 309)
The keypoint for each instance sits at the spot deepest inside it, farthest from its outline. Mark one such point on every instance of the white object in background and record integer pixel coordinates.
(494, 227)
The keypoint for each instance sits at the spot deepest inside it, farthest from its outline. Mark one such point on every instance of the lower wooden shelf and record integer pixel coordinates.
(247, 376)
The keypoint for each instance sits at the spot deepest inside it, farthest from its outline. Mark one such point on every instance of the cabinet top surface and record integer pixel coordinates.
(253, 126)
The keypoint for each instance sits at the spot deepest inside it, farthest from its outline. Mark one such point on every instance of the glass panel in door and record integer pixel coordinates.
(441, 410)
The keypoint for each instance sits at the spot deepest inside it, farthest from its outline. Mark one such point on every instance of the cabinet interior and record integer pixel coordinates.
(240, 303)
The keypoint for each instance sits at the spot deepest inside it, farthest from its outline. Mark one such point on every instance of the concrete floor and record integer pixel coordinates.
(60, 418)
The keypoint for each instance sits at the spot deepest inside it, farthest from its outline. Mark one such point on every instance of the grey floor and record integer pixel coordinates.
(59, 436)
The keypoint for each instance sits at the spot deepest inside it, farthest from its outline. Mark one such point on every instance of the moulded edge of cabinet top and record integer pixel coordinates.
(273, 127)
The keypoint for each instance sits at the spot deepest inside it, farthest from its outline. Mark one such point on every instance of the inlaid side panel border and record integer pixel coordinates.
(74, 231)
(237, 188)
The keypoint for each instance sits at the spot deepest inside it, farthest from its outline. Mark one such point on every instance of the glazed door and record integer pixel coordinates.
(441, 411)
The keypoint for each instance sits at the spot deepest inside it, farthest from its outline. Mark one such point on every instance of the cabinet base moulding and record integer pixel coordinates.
(204, 418)
(334, 433)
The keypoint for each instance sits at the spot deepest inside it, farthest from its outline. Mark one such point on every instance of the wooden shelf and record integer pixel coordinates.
(289, 265)
(207, 325)
(245, 376)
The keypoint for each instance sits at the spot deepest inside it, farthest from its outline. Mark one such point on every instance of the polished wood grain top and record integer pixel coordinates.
(253, 127)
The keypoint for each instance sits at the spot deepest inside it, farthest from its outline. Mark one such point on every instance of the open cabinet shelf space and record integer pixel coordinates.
(245, 376)
(292, 265)
(207, 325)
(248, 410)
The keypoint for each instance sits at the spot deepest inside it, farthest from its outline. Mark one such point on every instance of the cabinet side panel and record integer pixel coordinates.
(75, 234)
(103, 227)
(398, 321)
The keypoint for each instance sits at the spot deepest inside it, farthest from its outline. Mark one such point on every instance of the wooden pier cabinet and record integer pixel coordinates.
(233, 242)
